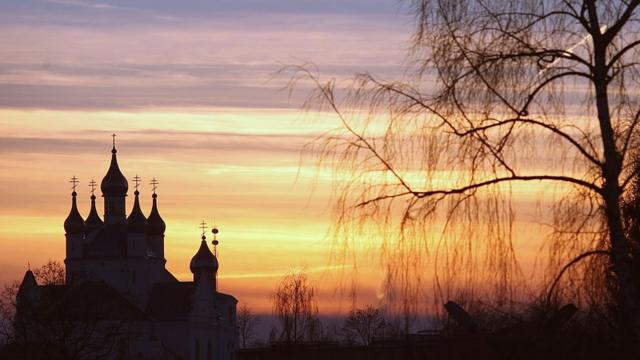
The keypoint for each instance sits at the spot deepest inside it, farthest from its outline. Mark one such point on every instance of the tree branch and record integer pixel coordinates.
(621, 53)
(615, 28)
(549, 127)
(464, 189)
(570, 264)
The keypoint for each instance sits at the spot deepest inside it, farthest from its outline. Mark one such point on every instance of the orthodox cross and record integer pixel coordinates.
(136, 179)
(74, 181)
(114, 140)
(154, 185)
(92, 185)
(203, 226)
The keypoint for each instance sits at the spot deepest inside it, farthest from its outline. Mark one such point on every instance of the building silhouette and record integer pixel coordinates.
(116, 280)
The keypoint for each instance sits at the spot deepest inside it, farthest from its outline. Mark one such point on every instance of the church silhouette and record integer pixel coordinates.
(118, 288)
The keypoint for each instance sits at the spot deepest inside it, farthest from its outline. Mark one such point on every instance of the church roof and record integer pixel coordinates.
(155, 224)
(136, 222)
(203, 259)
(28, 281)
(172, 300)
(74, 224)
(114, 183)
(93, 221)
(89, 300)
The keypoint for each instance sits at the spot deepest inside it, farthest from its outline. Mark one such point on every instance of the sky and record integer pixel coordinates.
(193, 91)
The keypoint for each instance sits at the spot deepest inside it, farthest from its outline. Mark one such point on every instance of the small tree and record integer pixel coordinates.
(8, 311)
(295, 308)
(362, 324)
(247, 322)
(51, 273)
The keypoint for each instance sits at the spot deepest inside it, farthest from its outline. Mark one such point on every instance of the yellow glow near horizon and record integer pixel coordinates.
(251, 186)
(273, 213)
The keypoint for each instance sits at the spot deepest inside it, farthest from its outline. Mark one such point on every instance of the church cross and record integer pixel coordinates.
(136, 179)
(74, 181)
(154, 185)
(203, 226)
(93, 185)
(114, 140)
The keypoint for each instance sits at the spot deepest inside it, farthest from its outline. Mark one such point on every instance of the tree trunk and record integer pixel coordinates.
(625, 287)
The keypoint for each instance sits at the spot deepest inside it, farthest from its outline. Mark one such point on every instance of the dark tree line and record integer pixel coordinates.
(299, 322)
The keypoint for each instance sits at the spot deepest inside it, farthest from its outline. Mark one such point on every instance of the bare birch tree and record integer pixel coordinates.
(247, 322)
(363, 324)
(51, 273)
(501, 93)
(295, 308)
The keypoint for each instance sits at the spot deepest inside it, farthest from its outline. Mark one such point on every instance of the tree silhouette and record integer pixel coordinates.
(295, 308)
(51, 273)
(8, 311)
(503, 93)
(247, 322)
(362, 324)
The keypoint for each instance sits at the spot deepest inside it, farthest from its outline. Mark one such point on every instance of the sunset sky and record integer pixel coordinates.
(191, 89)
(193, 92)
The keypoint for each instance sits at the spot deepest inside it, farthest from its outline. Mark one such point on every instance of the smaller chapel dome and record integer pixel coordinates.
(114, 183)
(136, 222)
(155, 224)
(93, 221)
(74, 224)
(203, 259)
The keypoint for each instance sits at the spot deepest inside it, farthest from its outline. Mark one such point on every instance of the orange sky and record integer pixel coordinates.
(191, 91)
(193, 95)
(272, 213)
(271, 204)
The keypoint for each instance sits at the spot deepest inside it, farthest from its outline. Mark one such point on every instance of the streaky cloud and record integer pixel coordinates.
(155, 141)
(83, 3)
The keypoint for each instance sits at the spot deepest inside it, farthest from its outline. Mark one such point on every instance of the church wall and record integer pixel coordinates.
(208, 341)
(156, 243)
(175, 336)
(115, 210)
(74, 244)
(131, 276)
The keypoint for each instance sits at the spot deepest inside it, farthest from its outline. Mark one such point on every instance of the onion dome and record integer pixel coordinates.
(203, 259)
(155, 224)
(136, 222)
(93, 221)
(114, 183)
(74, 224)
